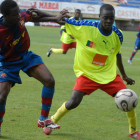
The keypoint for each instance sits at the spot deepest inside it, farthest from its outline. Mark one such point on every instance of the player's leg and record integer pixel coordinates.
(54, 50)
(131, 57)
(4, 91)
(112, 88)
(82, 87)
(42, 74)
(66, 47)
(74, 101)
(132, 120)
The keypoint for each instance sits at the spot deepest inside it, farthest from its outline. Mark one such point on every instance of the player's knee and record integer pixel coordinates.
(50, 82)
(2, 100)
(72, 104)
(64, 52)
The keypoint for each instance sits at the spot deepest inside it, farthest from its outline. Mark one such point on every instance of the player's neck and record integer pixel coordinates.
(6, 23)
(105, 31)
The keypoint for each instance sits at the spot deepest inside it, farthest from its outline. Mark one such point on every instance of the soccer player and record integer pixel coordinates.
(97, 57)
(68, 41)
(15, 56)
(136, 48)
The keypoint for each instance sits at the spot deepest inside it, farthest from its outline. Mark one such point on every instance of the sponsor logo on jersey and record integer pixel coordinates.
(99, 59)
(15, 42)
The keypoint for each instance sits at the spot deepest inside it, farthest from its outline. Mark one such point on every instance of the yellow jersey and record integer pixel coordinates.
(65, 38)
(96, 52)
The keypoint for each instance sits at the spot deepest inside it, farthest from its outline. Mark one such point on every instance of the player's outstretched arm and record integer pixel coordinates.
(122, 71)
(40, 16)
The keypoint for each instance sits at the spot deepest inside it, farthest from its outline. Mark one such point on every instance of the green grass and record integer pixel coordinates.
(97, 117)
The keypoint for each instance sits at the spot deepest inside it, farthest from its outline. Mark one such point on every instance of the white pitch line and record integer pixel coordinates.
(133, 58)
(45, 44)
(60, 46)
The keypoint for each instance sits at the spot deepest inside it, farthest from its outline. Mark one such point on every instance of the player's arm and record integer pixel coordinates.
(40, 13)
(40, 16)
(122, 71)
(69, 35)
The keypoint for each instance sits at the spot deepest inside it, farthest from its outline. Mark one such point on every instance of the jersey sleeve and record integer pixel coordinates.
(27, 15)
(63, 27)
(77, 28)
(120, 37)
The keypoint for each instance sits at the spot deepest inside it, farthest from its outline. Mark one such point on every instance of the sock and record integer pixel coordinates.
(47, 96)
(2, 112)
(132, 120)
(60, 51)
(132, 55)
(60, 113)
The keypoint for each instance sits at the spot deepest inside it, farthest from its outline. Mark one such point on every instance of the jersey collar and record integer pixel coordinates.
(103, 32)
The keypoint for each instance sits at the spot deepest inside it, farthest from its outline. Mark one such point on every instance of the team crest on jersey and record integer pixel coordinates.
(91, 44)
(112, 50)
(3, 75)
(22, 23)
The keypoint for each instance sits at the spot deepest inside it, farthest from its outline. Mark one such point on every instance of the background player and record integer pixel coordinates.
(69, 41)
(14, 56)
(96, 60)
(136, 48)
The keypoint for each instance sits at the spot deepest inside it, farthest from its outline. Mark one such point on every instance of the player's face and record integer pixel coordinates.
(14, 17)
(107, 18)
(77, 15)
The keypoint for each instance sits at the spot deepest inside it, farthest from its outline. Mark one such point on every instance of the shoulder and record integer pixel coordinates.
(81, 22)
(25, 13)
(118, 33)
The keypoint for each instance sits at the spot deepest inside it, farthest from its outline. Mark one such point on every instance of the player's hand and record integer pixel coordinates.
(36, 13)
(129, 80)
(71, 37)
(61, 16)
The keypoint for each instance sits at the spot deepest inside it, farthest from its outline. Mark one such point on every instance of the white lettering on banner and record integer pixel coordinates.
(49, 5)
(51, 24)
(129, 13)
(26, 4)
(85, 8)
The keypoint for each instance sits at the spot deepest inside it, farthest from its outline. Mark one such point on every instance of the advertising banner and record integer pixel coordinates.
(85, 8)
(26, 4)
(50, 6)
(127, 13)
(49, 24)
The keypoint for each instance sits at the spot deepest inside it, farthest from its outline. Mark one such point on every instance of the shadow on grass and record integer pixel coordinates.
(6, 138)
(71, 136)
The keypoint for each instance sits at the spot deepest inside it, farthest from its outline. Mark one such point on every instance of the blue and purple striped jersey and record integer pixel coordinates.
(14, 41)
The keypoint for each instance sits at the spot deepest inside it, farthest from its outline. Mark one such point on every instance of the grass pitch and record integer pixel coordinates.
(97, 117)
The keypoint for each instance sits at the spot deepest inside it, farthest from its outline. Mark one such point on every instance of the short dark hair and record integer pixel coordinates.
(106, 7)
(77, 11)
(6, 6)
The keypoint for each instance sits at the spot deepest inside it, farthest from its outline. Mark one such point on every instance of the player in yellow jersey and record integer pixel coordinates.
(68, 41)
(97, 58)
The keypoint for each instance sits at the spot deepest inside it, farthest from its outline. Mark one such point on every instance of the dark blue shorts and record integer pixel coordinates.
(137, 44)
(9, 71)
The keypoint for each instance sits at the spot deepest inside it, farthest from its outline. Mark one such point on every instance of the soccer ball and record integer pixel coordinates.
(126, 100)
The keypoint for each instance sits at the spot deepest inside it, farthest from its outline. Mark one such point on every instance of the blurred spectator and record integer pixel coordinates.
(122, 1)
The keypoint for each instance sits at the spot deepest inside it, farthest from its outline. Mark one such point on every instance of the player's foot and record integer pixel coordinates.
(48, 123)
(49, 51)
(130, 61)
(135, 135)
